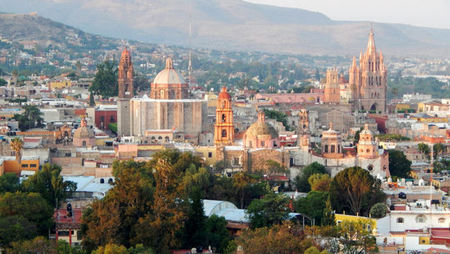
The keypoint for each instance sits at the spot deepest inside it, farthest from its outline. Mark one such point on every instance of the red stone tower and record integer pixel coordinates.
(125, 81)
(332, 92)
(224, 128)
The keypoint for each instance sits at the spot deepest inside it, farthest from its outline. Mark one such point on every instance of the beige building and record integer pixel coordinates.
(169, 108)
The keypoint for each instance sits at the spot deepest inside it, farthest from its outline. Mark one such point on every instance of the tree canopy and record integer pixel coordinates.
(301, 181)
(105, 80)
(355, 191)
(270, 210)
(30, 118)
(399, 165)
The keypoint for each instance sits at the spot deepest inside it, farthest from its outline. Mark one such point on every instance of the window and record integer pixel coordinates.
(441, 220)
(420, 219)
(24, 165)
(236, 161)
(326, 148)
(224, 133)
(84, 142)
(400, 220)
(224, 118)
(209, 154)
(32, 165)
(263, 143)
(112, 119)
(370, 167)
(332, 148)
(102, 180)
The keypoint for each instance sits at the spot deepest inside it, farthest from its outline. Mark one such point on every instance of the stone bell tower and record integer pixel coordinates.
(125, 80)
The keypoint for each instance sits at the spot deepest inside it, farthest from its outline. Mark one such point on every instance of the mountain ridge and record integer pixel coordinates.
(237, 25)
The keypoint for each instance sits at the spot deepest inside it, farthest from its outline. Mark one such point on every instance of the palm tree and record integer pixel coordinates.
(17, 145)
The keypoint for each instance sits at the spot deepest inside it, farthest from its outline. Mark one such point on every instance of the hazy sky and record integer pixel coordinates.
(429, 13)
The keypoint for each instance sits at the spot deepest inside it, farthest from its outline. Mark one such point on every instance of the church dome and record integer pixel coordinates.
(168, 75)
(366, 131)
(261, 128)
(83, 132)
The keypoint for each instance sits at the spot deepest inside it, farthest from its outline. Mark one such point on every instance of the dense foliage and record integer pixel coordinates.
(301, 181)
(30, 118)
(105, 80)
(355, 191)
(399, 165)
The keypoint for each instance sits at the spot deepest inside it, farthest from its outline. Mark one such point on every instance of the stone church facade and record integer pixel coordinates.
(368, 81)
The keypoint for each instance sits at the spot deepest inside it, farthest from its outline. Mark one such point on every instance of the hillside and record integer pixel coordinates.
(234, 25)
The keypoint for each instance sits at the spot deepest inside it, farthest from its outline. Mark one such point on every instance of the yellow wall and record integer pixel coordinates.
(402, 107)
(204, 151)
(11, 166)
(59, 84)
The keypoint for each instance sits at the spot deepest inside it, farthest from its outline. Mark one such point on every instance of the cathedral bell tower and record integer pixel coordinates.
(125, 80)
(224, 128)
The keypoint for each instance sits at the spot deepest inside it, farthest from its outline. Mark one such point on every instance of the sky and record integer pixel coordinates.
(427, 13)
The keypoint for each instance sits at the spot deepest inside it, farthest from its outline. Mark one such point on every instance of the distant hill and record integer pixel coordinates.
(235, 25)
(31, 28)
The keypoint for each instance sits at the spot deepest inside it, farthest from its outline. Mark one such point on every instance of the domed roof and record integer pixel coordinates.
(168, 75)
(330, 132)
(366, 130)
(224, 95)
(261, 128)
(83, 131)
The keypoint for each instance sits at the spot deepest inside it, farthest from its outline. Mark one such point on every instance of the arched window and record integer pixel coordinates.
(421, 219)
(84, 142)
(370, 167)
(400, 220)
(224, 133)
(110, 181)
(326, 148)
(224, 118)
(102, 180)
(332, 149)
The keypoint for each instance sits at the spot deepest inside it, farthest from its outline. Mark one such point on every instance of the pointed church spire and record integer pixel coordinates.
(371, 43)
(354, 63)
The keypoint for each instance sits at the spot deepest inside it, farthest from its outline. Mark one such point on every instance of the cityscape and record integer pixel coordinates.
(114, 140)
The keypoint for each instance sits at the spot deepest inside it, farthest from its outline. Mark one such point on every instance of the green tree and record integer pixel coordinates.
(140, 83)
(9, 182)
(194, 228)
(355, 191)
(3, 82)
(301, 181)
(399, 165)
(355, 236)
(217, 234)
(29, 206)
(49, 183)
(240, 181)
(328, 214)
(313, 205)
(37, 245)
(105, 80)
(378, 210)
(439, 149)
(441, 165)
(319, 182)
(424, 148)
(30, 118)
(168, 210)
(15, 228)
(113, 219)
(285, 238)
(270, 210)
